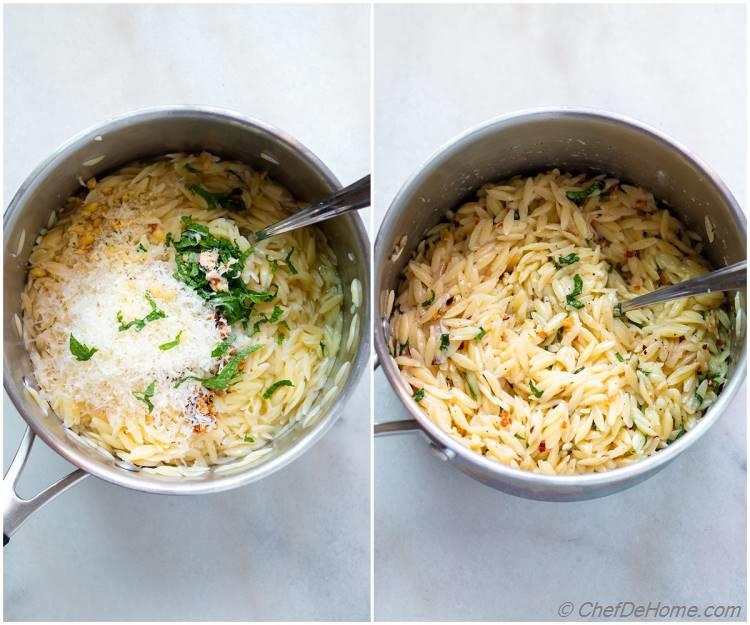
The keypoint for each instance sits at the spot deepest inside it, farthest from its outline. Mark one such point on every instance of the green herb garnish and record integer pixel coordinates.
(146, 396)
(323, 348)
(249, 439)
(275, 386)
(191, 169)
(79, 350)
(567, 260)
(231, 200)
(228, 375)
(577, 290)
(165, 346)
(237, 302)
(445, 341)
(619, 357)
(643, 371)
(280, 338)
(610, 267)
(699, 397)
(579, 196)
(678, 433)
(288, 261)
(472, 392)
(418, 396)
(140, 248)
(428, 302)
(141, 323)
(480, 334)
(221, 348)
(535, 390)
(578, 370)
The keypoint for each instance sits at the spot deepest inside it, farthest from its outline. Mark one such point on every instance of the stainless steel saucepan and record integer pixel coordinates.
(577, 141)
(145, 134)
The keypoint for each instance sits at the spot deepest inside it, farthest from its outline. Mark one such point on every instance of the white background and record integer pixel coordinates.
(447, 547)
(295, 545)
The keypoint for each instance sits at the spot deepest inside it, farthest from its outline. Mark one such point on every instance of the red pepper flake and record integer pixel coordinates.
(705, 346)
(542, 447)
(719, 343)
(631, 254)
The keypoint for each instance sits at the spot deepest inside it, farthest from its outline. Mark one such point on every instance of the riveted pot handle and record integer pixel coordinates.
(396, 427)
(15, 509)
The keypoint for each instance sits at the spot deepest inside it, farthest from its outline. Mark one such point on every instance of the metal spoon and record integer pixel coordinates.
(724, 279)
(353, 197)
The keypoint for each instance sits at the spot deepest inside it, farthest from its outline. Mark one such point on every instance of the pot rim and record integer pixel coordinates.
(629, 473)
(217, 483)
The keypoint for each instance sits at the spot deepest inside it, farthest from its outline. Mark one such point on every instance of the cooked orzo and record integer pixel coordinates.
(506, 328)
(159, 333)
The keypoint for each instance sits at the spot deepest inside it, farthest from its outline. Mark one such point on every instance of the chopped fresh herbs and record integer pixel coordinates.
(480, 334)
(165, 346)
(146, 396)
(619, 357)
(280, 338)
(698, 397)
(228, 375)
(221, 348)
(445, 341)
(288, 261)
(610, 267)
(231, 200)
(643, 371)
(249, 439)
(519, 437)
(567, 260)
(323, 348)
(428, 302)
(535, 390)
(237, 302)
(274, 318)
(560, 332)
(580, 196)
(418, 396)
(276, 386)
(578, 370)
(191, 169)
(677, 434)
(79, 350)
(141, 248)
(571, 297)
(139, 324)
(274, 264)
(472, 392)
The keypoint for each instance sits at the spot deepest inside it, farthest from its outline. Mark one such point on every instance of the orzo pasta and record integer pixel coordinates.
(158, 332)
(505, 325)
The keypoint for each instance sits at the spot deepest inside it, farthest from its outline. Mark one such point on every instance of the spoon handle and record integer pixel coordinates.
(724, 279)
(353, 197)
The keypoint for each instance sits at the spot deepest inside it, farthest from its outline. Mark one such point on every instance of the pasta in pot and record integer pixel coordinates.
(506, 328)
(156, 330)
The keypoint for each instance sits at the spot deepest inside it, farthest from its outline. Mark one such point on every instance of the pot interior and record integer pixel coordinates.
(574, 142)
(152, 134)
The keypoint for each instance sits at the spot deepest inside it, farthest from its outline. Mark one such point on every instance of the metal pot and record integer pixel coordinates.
(531, 142)
(105, 147)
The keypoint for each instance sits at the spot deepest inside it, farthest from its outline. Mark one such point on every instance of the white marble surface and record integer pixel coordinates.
(295, 545)
(447, 547)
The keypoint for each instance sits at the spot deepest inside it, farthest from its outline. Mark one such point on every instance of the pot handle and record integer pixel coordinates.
(15, 509)
(393, 427)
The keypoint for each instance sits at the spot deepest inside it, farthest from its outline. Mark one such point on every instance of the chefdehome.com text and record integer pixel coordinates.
(650, 610)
